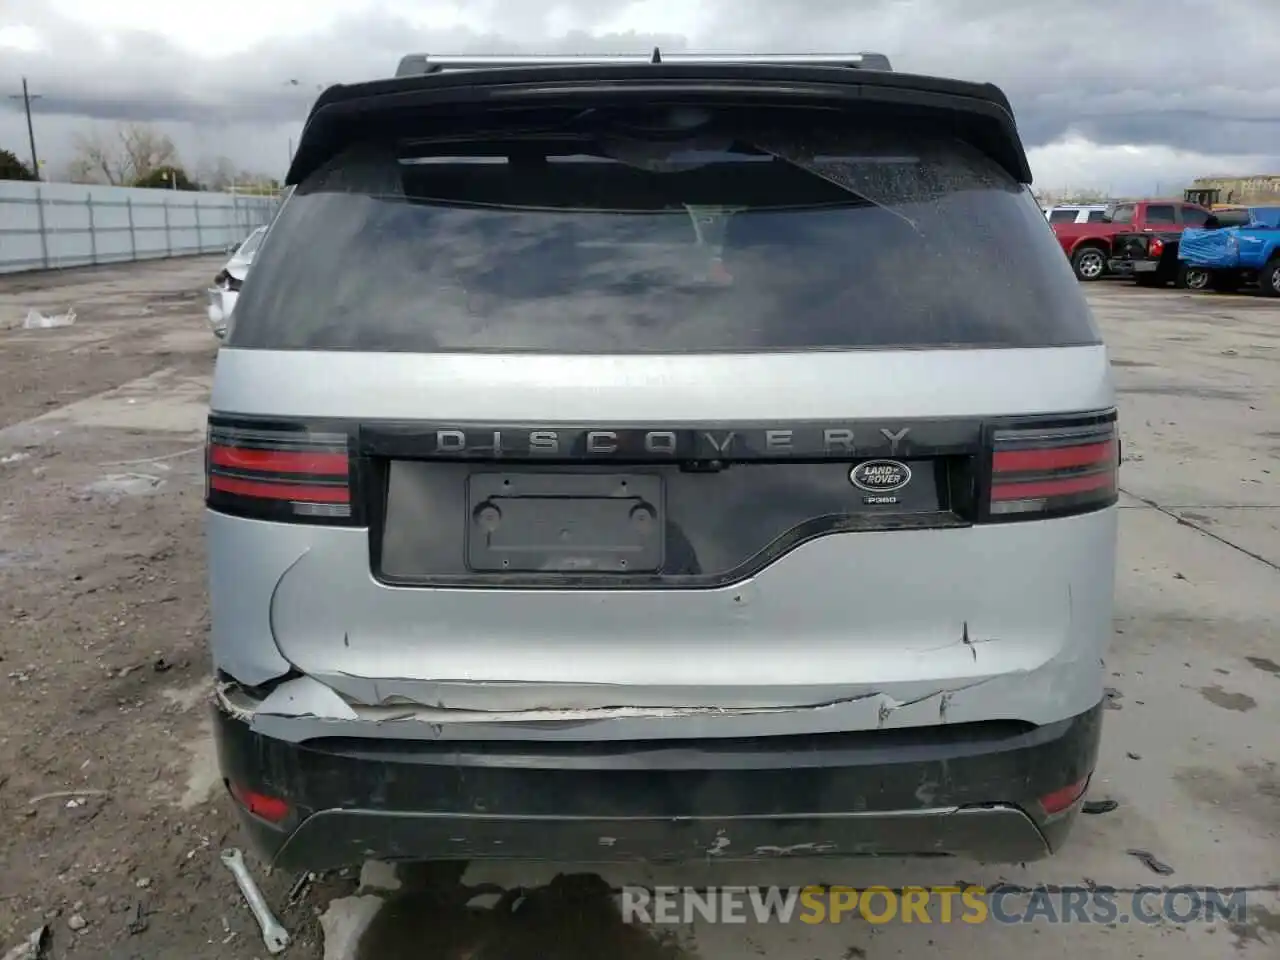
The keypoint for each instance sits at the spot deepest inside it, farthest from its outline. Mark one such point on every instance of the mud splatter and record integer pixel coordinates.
(1264, 778)
(1099, 806)
(1152, 863)
(1240, 702)
(1258, 925)
(1196, 517)
(1264, 663)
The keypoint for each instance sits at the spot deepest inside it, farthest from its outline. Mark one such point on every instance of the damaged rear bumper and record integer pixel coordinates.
(964, 789)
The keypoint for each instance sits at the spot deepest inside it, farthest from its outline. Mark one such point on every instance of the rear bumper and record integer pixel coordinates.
(963, 789)
(1127, 267)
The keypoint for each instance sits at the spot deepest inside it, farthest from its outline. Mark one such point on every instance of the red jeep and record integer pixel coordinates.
(1088, 245)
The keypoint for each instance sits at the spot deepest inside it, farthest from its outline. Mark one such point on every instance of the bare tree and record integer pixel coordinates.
(221, 174)
(216, 173)
(130, 152)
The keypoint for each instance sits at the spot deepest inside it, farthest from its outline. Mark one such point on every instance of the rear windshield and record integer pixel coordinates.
(661, 235)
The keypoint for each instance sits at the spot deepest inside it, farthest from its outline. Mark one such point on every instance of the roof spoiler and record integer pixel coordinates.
(979, 113)
(417, 64)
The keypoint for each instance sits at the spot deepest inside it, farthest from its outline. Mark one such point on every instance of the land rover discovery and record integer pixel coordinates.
(660, 458)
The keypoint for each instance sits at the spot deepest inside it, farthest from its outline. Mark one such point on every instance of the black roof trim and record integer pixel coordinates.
(345, 114)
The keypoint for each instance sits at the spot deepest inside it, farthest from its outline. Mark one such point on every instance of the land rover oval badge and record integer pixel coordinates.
(880, 476)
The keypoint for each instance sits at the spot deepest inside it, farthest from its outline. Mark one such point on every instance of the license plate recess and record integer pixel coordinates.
(567, 523)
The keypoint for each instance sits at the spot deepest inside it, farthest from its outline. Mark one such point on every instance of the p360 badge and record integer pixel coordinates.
(880, 479)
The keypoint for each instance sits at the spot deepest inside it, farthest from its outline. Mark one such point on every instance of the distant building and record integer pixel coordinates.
(1262, 189)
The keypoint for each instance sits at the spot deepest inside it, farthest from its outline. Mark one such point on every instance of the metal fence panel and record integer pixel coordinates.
(51, 225)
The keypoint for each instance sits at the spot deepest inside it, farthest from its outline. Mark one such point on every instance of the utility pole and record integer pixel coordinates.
(26, 99)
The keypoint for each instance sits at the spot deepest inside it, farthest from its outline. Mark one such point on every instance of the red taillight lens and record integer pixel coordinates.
(272, 809)
(278, 472)
(1063, 799)
(1155, 247)
(1053, 469)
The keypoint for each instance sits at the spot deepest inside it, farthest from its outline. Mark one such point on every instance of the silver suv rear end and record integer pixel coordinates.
(655, 461)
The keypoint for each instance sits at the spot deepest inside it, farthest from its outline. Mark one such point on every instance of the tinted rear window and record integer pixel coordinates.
(1063, 216)
(573, 240)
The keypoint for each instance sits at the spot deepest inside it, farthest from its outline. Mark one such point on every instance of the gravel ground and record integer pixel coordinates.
(108, 787)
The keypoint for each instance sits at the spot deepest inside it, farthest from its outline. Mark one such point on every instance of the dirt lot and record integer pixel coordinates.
(112, 819)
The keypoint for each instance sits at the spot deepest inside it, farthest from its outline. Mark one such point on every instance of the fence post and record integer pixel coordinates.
(168, 239)
(44, 232)
(93, 233)
(195, 203)
(133, 236)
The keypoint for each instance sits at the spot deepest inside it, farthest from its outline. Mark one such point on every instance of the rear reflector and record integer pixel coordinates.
(1054, 469)
(271, 809)
(278, 472)
(1060, 800)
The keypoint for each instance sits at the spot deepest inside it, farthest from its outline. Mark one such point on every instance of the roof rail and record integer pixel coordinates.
(417, 64)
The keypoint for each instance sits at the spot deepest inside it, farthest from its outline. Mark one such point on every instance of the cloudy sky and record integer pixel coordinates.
(1121, 95)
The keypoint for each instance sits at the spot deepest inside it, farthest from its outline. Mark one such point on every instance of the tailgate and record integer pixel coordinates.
(589, 411)
(1130, 246)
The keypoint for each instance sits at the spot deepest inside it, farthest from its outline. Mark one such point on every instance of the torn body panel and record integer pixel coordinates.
(465, 664)
(305, 708)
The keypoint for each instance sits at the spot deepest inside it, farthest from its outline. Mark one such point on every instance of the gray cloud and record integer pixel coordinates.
(1195, 77)
(1192, 77)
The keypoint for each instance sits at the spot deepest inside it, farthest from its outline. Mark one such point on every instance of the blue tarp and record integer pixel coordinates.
(1209, 248)
(1221, 248)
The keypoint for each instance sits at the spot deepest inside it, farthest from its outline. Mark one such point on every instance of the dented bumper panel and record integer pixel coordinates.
(945, 626)
(304, 708)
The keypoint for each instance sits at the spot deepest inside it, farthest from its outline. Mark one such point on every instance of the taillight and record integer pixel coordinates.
(278, 472)
(1155, 247)
(1053, 468)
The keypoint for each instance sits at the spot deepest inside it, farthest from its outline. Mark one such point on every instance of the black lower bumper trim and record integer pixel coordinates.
(1002, 833)
(971, 790)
